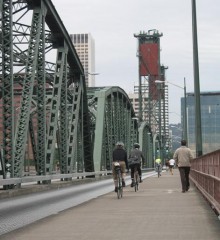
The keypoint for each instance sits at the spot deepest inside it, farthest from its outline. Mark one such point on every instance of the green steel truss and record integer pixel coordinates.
(114, 121)
(43, 99)
(146, 140)
(47, 113)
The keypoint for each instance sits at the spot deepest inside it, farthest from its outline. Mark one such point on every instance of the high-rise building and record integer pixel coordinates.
(160, 113)
(134, 98)
(210, 120)
(176, 133)
(85, 48)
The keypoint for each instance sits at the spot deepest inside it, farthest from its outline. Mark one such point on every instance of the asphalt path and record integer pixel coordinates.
(18, 212)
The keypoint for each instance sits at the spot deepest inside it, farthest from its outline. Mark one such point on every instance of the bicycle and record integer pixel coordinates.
(119, 180)
(136, 178)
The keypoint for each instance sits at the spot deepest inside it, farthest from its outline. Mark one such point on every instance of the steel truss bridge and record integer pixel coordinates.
(47, 113)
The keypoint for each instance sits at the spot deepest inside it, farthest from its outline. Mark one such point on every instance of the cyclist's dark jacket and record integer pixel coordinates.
(119, 154)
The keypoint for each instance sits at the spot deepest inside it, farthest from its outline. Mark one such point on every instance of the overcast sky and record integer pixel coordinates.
(113, 24)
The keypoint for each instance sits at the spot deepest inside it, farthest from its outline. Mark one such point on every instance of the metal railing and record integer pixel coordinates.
(32, 178)
(205, 173)
(49, 178)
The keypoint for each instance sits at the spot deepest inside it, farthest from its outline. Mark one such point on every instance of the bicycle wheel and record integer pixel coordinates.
(158, 171)
(136, 182)
(120, 188)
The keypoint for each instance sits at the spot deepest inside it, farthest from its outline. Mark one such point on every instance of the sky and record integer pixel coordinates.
(113, 24)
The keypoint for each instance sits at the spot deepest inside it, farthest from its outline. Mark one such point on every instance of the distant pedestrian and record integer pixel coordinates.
(182, 156)
(167, 164)
(171, 165)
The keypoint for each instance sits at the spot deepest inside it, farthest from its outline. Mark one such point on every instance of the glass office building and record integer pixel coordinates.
(210, 120)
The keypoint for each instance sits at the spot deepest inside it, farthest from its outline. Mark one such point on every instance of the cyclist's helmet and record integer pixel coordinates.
(120, 144)
(136, 145)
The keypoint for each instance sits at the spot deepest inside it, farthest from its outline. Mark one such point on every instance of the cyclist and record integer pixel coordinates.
(136, 153)
(158, 163)
(119, 155)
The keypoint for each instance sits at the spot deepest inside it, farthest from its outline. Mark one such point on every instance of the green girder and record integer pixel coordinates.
(113, 123)
(47, 109)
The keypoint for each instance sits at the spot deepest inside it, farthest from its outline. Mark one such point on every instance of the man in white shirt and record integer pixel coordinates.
(171, 165)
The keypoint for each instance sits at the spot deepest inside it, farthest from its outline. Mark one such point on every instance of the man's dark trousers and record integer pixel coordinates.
(184, 175)
(138, 168)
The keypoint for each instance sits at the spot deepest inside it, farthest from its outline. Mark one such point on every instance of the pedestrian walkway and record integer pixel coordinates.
(159, 210)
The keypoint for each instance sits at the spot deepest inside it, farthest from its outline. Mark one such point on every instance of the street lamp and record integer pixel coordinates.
(150, 149)
(185, 105)
(92, 74)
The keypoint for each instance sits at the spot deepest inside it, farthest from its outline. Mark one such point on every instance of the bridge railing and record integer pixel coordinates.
(48, 178)
(205, 173)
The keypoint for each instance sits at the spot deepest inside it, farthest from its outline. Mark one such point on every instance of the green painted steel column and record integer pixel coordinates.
(99, 130)
(198, 128)
(7, 91)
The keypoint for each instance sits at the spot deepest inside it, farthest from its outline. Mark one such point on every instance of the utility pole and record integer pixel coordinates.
(185, 136)
(160, 132)
(140, 99)
(198, 129)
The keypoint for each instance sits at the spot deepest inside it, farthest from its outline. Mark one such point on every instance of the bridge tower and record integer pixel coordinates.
(153, 97)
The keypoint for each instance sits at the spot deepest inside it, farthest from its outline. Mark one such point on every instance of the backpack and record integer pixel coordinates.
(133, 160)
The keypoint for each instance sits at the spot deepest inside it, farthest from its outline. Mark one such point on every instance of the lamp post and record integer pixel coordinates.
(159, 123)
(185, 106)
(150, 150)
(198, 125)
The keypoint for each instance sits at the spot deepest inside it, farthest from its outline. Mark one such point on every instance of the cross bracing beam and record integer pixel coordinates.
(30, 70)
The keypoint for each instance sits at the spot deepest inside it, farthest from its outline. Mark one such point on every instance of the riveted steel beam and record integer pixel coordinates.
(7, 89)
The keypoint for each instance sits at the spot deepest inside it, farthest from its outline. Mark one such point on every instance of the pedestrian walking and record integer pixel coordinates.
(167, 164)
(182, 156)
(171, 165)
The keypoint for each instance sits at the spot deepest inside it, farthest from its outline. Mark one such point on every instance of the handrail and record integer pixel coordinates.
(29, 179)
(205, 173)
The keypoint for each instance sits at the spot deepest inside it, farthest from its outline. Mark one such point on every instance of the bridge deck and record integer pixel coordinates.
(159, 210)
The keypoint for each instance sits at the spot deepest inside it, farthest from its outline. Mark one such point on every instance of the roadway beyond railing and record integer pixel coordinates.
(205, 173)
